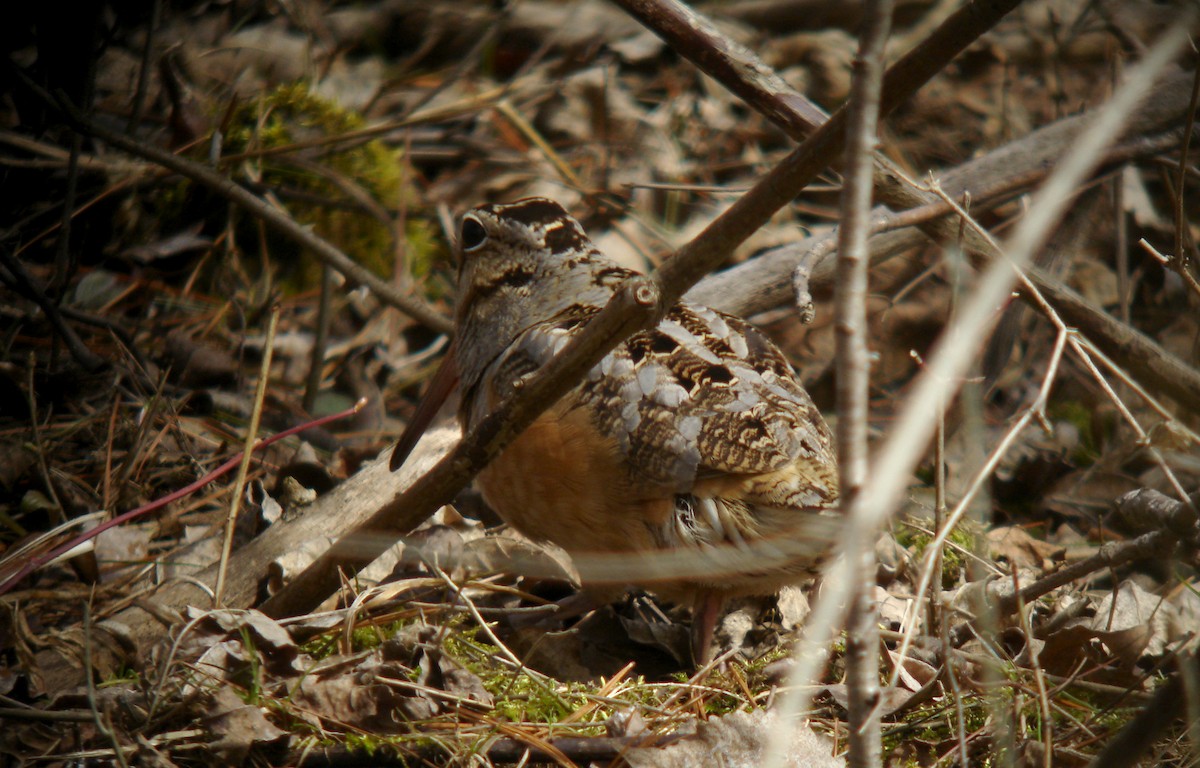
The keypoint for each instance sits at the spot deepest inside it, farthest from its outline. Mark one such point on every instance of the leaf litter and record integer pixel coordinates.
(375, 125)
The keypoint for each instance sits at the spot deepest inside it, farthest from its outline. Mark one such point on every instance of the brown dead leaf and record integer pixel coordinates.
(417, 645)
(826, 56)
(356, 692)
(1095, 281)
(914, 673)
(893, 610)
(237, 726)
(670, 637)
(227, 643)
(556, 654)
(1127, 630)
(407, 679)
(198, 363)
(793, 607)
(1086, 494)
(171, 253)
(891, 699)
(123, 548)
(16, 458)
(1019, 548)
(1071, 650)
(1135, 623)
(1138, 201)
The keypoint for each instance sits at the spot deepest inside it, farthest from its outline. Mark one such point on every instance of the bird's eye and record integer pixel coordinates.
(473, 234)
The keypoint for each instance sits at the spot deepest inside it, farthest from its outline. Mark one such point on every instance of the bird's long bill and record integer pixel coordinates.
(440, 387)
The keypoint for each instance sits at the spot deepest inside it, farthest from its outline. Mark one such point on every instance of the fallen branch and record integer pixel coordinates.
(1170, 522)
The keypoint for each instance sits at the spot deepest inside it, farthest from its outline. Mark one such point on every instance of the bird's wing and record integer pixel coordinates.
(706, 393)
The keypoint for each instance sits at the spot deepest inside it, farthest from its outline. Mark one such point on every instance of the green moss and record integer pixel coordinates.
(122, 675)
(954, 559)
(518, 695)
(521, 698)
(292, 114)
(368, 636)
(393, 747)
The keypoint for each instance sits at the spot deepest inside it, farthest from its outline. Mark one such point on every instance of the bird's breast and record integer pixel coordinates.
(564, 481)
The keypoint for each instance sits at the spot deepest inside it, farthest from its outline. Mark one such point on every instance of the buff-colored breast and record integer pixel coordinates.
(564, 482)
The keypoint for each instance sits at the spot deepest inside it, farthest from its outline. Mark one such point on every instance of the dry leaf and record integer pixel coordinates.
(237, 726)
(1019, 548)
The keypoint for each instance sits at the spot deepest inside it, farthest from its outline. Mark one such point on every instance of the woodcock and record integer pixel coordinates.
(693, 437)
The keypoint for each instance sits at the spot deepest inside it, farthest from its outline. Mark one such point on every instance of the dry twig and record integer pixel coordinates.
(853, 380)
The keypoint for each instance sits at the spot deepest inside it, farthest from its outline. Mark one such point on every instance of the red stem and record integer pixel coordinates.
(38, 562)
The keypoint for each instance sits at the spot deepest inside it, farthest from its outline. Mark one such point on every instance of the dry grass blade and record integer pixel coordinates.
(239, 485)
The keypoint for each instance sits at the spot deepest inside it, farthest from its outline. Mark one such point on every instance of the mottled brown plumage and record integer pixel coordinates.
(695, 436)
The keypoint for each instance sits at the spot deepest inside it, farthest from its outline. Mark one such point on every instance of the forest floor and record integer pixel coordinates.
(197, 195)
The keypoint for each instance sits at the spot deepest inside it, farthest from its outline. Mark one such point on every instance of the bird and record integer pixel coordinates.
(693, 443)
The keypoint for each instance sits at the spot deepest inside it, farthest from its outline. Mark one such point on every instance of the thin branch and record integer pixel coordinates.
(101, 722)
(1182, 260)
(1156, 545)
(1076, 343)
(929, 568)
(33, 563)
(634, 306)
(853, 379)
(1046, 724)
(1140, 733)
(18, 278)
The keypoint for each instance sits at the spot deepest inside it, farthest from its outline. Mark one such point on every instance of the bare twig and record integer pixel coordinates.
(853, 379)
(695, 38)
(568, 750)
(57, 514)
(1182, 261)
(316, 360)
(1039, 678)
(1157, 544)
(474, 611)
(635, 305)
(1143, 730)
(16, 276)
(101, 722)
(1081, 347)
(138, 104)
(930, 568)
(505, 107)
